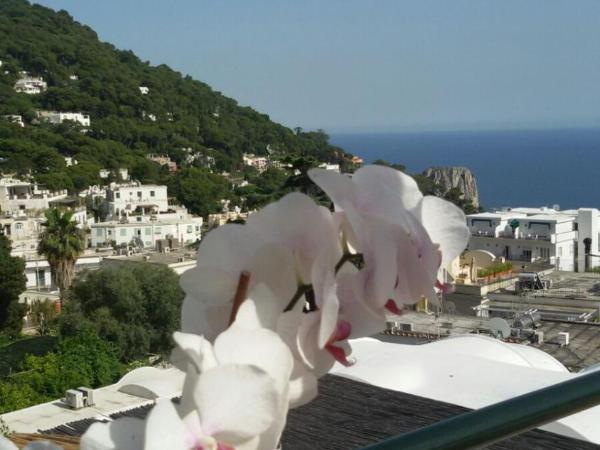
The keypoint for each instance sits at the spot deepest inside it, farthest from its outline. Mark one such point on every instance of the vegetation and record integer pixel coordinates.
(61, 243)
(494, 269)
(43, 313)
(14, 351)
(179, 117)
(12, 284)
(81, 360)
(136, 308)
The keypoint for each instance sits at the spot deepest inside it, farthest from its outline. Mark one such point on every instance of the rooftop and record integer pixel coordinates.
(108, 401)
(349, 414)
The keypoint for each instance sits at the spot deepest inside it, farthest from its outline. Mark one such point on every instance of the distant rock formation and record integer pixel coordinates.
(455, 177)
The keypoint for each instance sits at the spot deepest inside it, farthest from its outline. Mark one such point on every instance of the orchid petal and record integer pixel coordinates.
(206, 320)
(338, 187)
(6, 444)
(303, 386)
(386, 190)
(229, 248)
(446, 225)
(235, 402)
(42, 445)
(258, 347)
(285, 222)
(165, 429)
(193, 349)
(124, 433)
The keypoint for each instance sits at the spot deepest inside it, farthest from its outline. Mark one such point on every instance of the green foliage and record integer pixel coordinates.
(136, 307)
(266, 188)
(12, 354)
(43, 313)
(189, 114)
(199, 190)
(494, 269)
(12, 283)
(381, 162)
(81, 360)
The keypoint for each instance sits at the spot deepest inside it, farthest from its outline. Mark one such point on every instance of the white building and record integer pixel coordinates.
(15, 118)
(123, 173)
(56, 117)
(144, 90)
(332, 167)
(23, 231)
(261, 163)
(17, 195)
(39, 276)
(567, 239)
(126, 198)
(70, 161)
(145, 231)
(30, 85)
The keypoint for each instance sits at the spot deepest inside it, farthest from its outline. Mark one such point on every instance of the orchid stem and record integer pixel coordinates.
(240, 294)
(307, 289)
(355, 258)
(302, 289)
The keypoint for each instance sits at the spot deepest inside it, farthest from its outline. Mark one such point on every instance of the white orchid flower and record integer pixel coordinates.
(405, 238)
(235, 395)
(225, 255)
(234, 405)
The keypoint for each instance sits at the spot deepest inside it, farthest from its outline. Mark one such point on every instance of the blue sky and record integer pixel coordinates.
(349, 65)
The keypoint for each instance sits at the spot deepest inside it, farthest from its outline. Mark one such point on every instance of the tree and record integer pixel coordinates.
(199, 190)
(61, 243)
(43, 312)
(137, 308)
(12, 284)
(84, 359)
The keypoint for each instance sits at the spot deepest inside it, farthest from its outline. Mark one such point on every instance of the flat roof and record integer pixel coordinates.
(171, 257)
(108, 401)
(550, 217)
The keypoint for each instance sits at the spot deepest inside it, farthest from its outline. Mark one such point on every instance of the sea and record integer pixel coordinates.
(512, 168)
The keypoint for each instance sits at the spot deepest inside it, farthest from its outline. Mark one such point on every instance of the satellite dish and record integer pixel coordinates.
(499, 328)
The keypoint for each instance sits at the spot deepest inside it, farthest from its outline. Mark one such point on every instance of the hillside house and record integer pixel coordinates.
(30, 85)
(56, 118)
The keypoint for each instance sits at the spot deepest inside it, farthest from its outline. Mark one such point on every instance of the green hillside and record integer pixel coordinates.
(178, 112)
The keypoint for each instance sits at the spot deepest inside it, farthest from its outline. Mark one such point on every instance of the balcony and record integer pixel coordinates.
(535, 237)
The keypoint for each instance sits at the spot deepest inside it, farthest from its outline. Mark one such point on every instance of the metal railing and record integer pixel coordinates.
(502, 420)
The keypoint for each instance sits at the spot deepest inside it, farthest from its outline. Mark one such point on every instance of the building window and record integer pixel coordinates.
(190, 229)
(99, 232)
(118, 195)
(123, 231)
(148, 231)
(559, 251)
(40, 276)
(151, 193)
(157, 230)
(139, 194)
(18, 226)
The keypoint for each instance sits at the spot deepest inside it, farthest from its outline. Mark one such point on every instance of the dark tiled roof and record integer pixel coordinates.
(350, 415)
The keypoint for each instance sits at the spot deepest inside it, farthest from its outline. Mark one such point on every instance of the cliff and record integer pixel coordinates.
(455, 177)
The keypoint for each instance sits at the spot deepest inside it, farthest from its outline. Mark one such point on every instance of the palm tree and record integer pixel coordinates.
(61, 243)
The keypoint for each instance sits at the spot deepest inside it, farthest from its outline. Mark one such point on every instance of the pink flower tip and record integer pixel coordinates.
(339, 355)
(445, 288)
(393, 308)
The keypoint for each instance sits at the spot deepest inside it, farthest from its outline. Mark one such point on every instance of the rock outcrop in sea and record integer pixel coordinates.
(455, 177)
